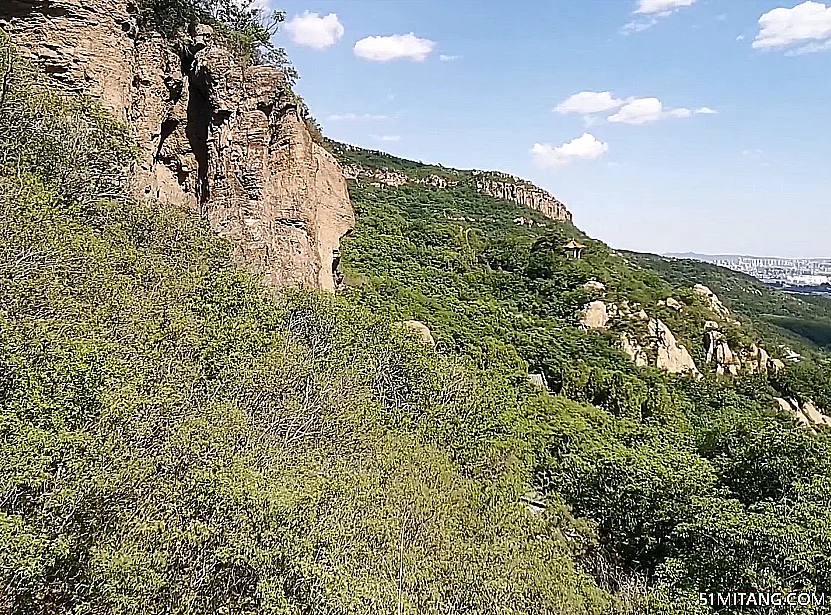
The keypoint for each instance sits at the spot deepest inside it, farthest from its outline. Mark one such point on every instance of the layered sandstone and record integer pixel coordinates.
(224, 138)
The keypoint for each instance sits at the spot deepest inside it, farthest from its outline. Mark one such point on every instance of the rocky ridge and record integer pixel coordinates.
(497, 185)
(215, 134)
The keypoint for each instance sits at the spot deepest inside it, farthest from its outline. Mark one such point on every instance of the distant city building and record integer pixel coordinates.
(796, 274)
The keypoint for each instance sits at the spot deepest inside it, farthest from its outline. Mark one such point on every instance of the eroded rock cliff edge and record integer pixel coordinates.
(222, 137)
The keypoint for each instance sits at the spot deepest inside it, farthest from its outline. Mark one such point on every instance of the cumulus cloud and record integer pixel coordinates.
(639, 111)
(652, 7)
(586, 147)
(445, 58)
(809, 22)
(355, 117)
(585, 103)
(629, 110)
(397, 46)
(387, 138)
(312, 30)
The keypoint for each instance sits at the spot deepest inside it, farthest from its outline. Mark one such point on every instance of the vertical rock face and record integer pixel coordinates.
(221, 137)
(516, 190)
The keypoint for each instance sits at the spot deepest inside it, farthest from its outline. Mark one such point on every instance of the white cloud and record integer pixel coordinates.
(682, 113)
(740, 37)
(646, 110)
(639, 111)
(586, 147)
(585, 103)
(655, 10)
(633, 27)
(355, 117)
(753, 154)
(397, 46)
(445, 58)
(629, 111)
(312, 30)
(806, 22)
(651, 7)
(389, 138)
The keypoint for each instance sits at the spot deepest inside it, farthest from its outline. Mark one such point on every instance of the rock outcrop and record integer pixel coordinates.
(594, 286)
(753, 359)
(720, 353)
(672, 303)
(713, 302)
(632, 348)
(806, 414)
(226, 139)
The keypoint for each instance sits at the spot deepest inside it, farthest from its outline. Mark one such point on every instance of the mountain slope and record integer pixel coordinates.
(176, 439)
(666, 466)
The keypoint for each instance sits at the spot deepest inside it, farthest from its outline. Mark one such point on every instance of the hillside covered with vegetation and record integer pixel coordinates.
(178, 439)
(691, 485)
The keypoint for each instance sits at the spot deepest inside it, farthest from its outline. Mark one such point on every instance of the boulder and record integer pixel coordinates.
(757, 360)
(720, 353)
(594, 316)
(672, 304)
(671, 356)
(594, 285)
(422, 331)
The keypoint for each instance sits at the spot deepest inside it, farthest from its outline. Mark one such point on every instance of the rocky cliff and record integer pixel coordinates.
(222, 137)
(516, 190)
(498, 185)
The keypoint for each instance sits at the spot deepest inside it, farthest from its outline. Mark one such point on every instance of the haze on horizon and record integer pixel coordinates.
(664, 125)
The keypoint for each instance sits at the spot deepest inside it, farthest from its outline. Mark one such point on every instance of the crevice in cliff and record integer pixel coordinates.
(199, 119)
(278, 136)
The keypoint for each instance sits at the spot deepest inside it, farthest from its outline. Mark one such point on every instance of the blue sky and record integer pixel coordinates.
(486, 84)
